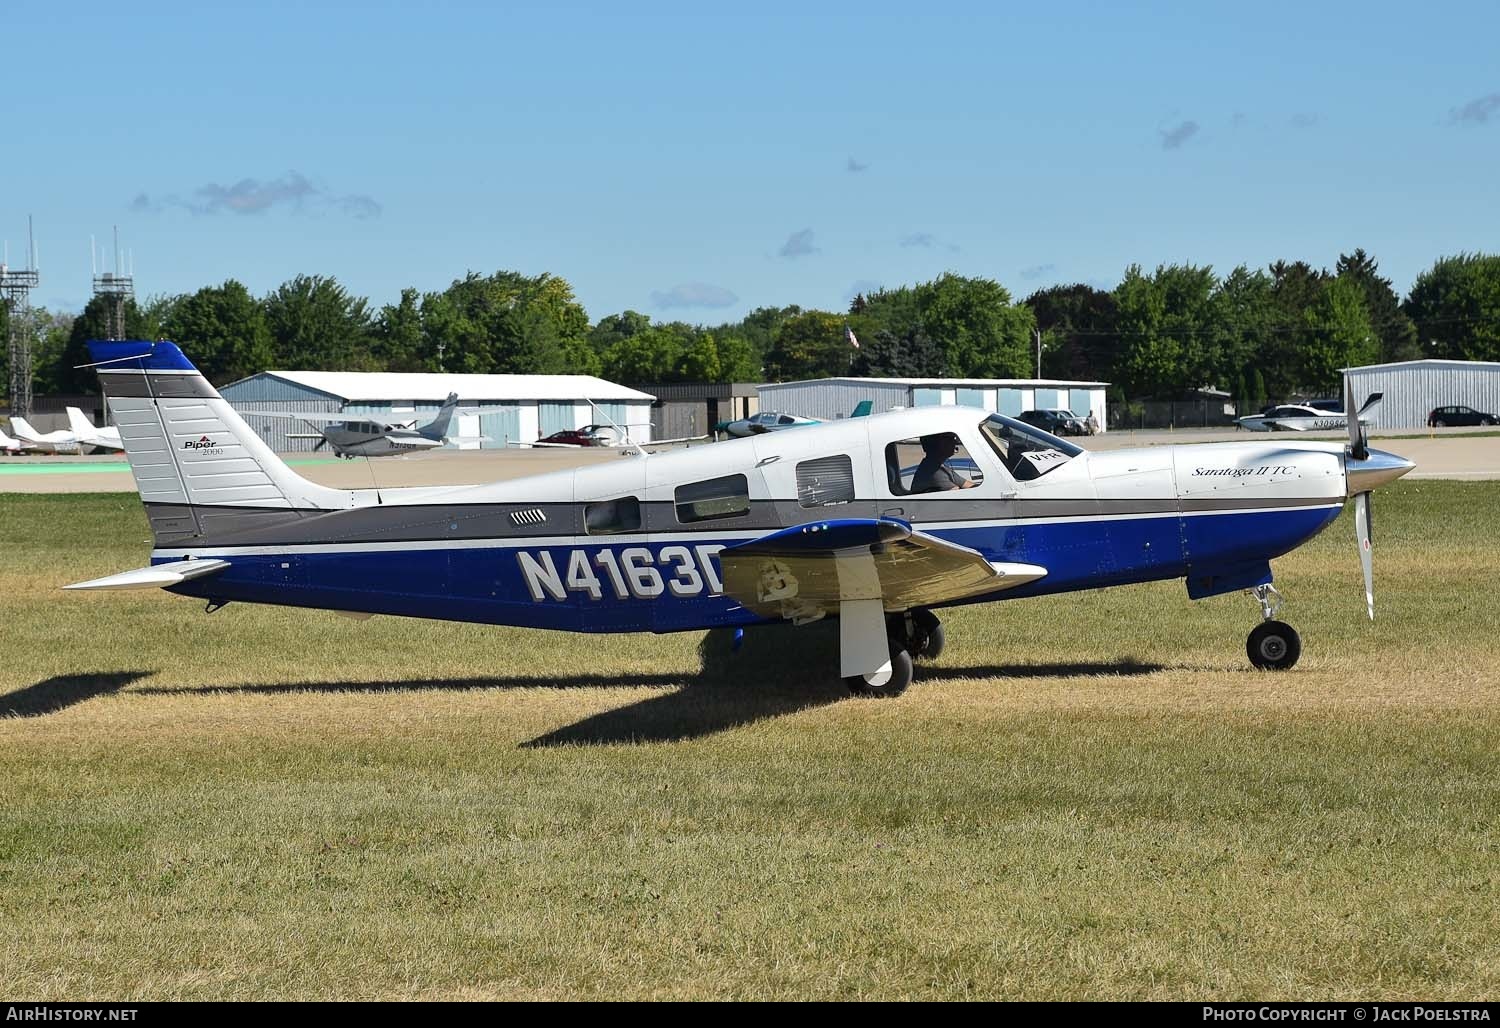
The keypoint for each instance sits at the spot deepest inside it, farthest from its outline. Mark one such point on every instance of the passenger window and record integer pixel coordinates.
(612, 517)
(825, 481)
(936, 463)
(727, 497)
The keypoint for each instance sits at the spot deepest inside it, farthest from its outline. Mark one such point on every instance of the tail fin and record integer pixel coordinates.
(83, 429)
(863, 408)
(200, 469)
(23, 430)
(437, 428)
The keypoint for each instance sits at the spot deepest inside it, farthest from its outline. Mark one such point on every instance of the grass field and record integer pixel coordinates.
(1089, 796)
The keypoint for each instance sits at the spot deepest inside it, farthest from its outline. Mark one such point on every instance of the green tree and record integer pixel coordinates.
(883, 354)
(611, 328)
(315, 324)
(1080, 341)
(809, 345)
(398, 341)
(1456, 307)
(1171, 329)
(648, 357)
(700, 361)
(1339, 336)
(1397, 334)
(223, 331)
(738, 360)
(982, 334)
(505, 323)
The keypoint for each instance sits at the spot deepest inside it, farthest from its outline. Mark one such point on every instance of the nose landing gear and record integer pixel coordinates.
(1273, 645)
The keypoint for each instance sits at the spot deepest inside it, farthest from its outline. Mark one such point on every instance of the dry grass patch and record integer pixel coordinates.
(296, 805)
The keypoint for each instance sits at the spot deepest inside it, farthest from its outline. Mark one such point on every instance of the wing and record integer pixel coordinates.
(321, 419)
(806, 572)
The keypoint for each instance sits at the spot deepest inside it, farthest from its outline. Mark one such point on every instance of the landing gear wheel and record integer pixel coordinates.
(889, 683)
(929, 639)
(1273, 646)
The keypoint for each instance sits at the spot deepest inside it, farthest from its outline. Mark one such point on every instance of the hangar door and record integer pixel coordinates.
(500, 423)
(554, 417)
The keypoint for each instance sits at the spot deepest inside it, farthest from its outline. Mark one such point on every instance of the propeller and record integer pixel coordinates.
(1359, 450)
(320, 444)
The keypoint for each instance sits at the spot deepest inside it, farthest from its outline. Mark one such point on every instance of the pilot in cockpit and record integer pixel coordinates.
(933, 474)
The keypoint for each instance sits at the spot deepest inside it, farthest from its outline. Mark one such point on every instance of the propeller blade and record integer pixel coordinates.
(320, 444)
(1362, 531)
(1359, 448)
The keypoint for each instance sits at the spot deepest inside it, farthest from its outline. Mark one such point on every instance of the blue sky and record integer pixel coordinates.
(695, 164)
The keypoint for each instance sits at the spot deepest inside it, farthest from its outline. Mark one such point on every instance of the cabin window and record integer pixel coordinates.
(936, 463)
(1026, 451)
(612, 517)
(727, 497)
(825, 481)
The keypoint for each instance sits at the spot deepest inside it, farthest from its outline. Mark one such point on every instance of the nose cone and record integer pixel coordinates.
(1376, 470)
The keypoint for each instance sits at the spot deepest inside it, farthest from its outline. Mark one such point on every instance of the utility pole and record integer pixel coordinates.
(1038, 333)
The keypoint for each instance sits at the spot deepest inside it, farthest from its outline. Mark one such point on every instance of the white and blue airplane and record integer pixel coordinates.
(874, 521)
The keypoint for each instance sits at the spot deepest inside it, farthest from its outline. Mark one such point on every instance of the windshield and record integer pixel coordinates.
(1026, 451)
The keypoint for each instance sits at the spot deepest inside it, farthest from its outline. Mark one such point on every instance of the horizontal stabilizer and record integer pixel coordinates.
(806, 572)
(157, 576)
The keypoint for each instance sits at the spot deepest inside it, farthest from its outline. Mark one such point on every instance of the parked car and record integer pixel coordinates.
(1442, 417)
(588, 435)
(1056, 421)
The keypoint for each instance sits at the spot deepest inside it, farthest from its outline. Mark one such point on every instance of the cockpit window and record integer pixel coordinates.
(1026, 451)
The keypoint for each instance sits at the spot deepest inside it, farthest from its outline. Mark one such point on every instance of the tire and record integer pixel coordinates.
(894, 684)
(929, 630)
(1273, 646)
(1486, 421)
(1440, 423)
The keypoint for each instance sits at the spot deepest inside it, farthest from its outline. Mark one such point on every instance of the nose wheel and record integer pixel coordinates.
(1273, 645)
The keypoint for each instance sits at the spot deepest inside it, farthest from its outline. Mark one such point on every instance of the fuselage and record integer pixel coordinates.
(631, 545)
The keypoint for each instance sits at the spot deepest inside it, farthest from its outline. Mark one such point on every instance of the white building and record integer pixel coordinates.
(512, 408)
(1414, 388)
(829, 398)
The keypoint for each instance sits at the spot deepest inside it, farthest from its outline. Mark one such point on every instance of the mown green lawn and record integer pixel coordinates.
(1089, 796)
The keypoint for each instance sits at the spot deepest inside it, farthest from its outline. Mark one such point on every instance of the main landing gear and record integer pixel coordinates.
(1273, 645)
(913, 633)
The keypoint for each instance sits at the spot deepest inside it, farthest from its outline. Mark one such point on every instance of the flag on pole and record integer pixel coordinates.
(850, 333)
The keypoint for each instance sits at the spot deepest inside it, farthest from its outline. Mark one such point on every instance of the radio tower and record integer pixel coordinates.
(116, 288)
(15, 293)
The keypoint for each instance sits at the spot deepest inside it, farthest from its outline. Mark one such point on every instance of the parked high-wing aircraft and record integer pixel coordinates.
(107, 438)
(1301, 417)
(875, 521)
(353, 437)
(59, 441)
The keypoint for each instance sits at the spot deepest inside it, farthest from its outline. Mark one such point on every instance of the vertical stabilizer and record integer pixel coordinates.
(199, 468)
(437, 428)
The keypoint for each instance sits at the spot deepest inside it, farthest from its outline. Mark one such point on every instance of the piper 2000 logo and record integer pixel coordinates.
(199, 444)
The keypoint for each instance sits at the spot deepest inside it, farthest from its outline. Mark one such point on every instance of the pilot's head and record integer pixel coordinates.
(941, 445)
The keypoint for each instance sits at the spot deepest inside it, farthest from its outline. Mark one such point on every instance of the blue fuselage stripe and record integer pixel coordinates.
(667, 585)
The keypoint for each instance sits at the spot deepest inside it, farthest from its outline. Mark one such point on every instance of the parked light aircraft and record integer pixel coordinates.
(9, 445)
(794, 526)
(351, 437)
(1299, 417)
(59, 441)
(107, 438)
(775, 421)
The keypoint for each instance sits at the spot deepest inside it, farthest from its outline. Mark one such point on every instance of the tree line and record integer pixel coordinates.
(1275, 333)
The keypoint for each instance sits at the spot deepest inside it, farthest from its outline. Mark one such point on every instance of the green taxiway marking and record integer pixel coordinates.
(65, 468)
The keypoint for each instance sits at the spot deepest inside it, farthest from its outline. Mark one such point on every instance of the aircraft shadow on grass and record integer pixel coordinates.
(60, 692)
(776, 673)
